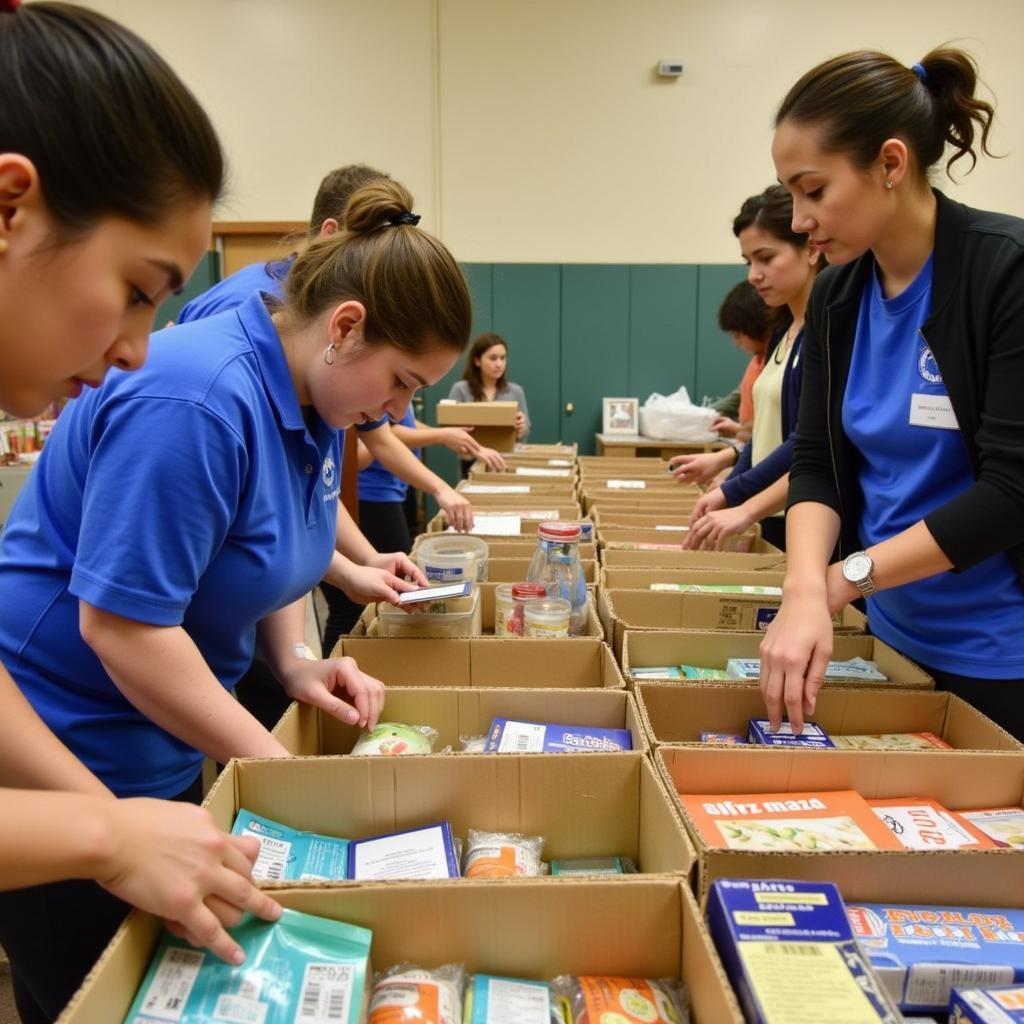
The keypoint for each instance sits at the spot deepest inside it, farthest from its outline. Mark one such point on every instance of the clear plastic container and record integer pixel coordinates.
(556, 564)
(448, 559)
(459, 616)
(510, 600)
(548, 618)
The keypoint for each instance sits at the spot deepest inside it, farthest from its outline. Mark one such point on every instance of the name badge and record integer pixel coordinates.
(932, 411)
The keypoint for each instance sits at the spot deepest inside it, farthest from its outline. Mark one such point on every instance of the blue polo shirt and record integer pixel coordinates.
(192, 493)
(967, 623)
(377, 483)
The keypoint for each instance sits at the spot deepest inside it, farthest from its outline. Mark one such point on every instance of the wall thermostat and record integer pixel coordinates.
(670, 68)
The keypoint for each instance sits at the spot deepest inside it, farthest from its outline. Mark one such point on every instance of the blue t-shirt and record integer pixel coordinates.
(377, 483)
(190, 493)
(966, 623)
(234, 289)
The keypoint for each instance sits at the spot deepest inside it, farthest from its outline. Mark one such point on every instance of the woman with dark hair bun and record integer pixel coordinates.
(907, 486)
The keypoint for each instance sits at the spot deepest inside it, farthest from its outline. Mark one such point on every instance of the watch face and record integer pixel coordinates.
(857, 567)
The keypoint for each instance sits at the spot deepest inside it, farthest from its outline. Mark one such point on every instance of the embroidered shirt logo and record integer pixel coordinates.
(327, 472)
(928, 367)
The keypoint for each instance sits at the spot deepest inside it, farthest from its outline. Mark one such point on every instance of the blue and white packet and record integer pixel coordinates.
(420, 853)
(987, 1005)
(287, 854)
(494, 1000)
(508, 736)
(759, 731)
(298, 968)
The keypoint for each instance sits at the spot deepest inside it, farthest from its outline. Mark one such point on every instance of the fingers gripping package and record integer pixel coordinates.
(791, 955)
(287, 854)
(595, 999)
(300, 968)
(922, 952)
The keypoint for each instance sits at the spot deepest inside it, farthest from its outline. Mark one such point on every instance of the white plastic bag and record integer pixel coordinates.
(675, 418)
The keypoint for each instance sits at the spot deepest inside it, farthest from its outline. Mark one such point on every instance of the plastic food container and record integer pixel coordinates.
(548, 617)
(448, 559)
(458, 616)
(509, 601)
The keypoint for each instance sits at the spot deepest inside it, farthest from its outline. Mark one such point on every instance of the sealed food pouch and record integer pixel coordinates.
(298, 968)
(599, 999)
(502, 855)
(393, 738)
(473, 744)
(406, 993)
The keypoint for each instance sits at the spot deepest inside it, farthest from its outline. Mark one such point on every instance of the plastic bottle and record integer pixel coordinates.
(556, 564)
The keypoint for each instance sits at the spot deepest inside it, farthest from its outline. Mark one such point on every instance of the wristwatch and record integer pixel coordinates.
(857, 569)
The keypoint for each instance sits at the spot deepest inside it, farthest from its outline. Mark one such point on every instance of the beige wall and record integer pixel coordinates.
(536, 130)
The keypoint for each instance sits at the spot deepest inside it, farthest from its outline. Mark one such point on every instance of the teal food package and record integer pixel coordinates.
(492, 1000)
(299, 969)
(287, 854)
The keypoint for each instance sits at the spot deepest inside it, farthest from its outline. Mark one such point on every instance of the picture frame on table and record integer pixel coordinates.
(620, 416)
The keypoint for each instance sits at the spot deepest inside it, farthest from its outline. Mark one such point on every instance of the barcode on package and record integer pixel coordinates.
(272, 859)
(793, 949)
(521, 738)
(326, 994)
(931, 984)
(172, 984)
(236, 1010)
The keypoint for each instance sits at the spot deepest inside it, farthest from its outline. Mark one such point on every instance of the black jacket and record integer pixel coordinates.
(976, 333)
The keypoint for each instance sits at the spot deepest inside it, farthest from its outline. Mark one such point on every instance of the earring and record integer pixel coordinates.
(3, 245)
(888, 184)
(329, 354)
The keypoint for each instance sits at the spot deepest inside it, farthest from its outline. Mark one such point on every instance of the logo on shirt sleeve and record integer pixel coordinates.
(928, 367)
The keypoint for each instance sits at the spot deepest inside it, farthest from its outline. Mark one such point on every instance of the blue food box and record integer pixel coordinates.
(987, 1005)
(813, 737)
(790, 953)
(921, 953)
(415, 854)
(508, 736)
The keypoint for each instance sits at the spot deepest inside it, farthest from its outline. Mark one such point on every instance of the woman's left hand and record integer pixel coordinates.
(456, 508)
(401, 565)
(711, 530)
(520, 425)
(319, 682)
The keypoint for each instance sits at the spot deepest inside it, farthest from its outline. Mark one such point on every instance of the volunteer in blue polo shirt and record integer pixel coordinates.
(907, 485)
(179, 515)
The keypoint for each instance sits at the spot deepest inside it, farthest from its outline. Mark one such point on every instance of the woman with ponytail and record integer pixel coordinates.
(907, 485)
(180, 515)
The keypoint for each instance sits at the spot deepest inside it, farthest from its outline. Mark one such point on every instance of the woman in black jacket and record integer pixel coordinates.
(907, 485)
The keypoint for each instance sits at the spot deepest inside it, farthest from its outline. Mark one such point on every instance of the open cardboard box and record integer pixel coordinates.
(530, 517)
(679, 559)
(559, 475)
(457, 712)
(518, 489)
(963, 782)
(522, 546)
(639, 610)
(749, 541)
(586, 805)
(574, 663)
(493, 423)
(513, 570)
(652, 648)
(675, 713)
(650, 928)
(368, 626)
(599, 463)
(613, 578)
(636, 519)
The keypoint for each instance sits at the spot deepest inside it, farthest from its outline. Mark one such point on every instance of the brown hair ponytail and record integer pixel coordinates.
(860, 99)
(413, 290)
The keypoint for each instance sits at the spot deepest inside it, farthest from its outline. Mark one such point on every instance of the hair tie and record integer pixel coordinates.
(404, 218)
(9, 6)
(921, 72)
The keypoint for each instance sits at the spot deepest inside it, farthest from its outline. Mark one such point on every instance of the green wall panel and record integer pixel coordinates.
(526, 307)
(720, 364)
(595, 346)
(662, 329)
(206, 275)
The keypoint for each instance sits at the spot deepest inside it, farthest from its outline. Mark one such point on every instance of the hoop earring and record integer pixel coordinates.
(888, 184)
(329, 354)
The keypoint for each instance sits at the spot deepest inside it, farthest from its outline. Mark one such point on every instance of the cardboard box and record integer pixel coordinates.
(619, 536)
(563, 510)
(516, 547)
(493, 423)
(636, 519)
(639, 610)
(367, 625)
(515, 490)
(959, 782)
(628, 578)
(456, 712)
(528, 929)
(574, 663)
(587, 805)
(646, 648)
(513, 570)
(675, 713)
(758, 558)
